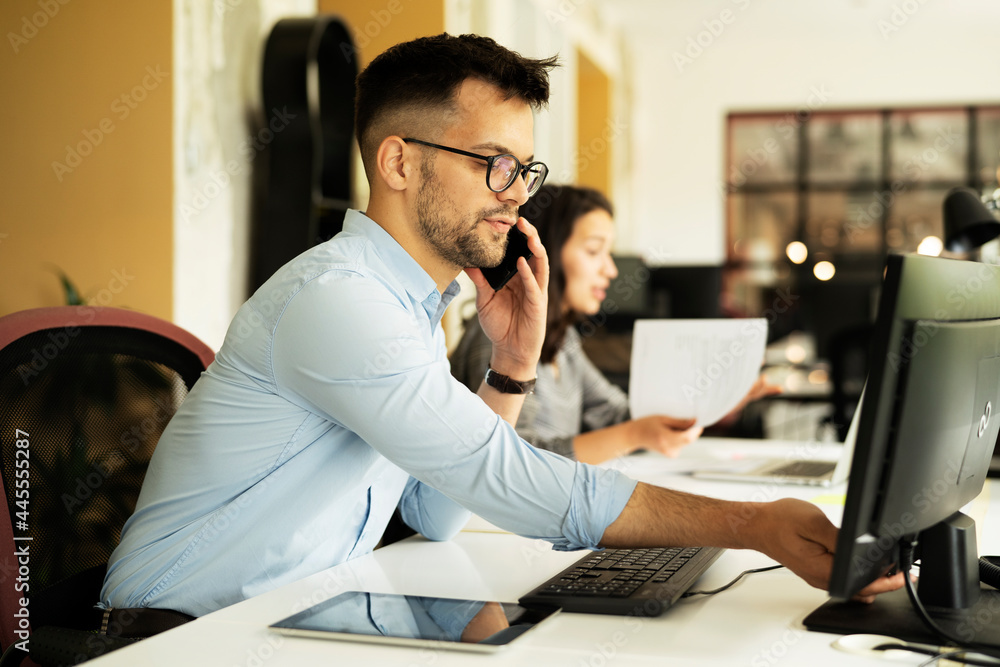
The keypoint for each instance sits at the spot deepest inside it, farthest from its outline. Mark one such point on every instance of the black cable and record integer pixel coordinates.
(954, 656)
(963, 657)
(731, 583)
(989, 570)
(906, 647)
(906, 548)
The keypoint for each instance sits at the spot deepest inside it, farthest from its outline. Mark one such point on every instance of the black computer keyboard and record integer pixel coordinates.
(640, 582)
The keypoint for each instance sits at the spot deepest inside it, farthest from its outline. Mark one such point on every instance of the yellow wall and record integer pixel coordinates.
(376, 25)
(593, 120)
(94, 77)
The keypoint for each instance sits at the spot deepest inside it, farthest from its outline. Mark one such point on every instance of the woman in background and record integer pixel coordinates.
(575, 411)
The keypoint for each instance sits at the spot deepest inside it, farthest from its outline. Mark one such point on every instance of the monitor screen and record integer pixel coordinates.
(927, 430)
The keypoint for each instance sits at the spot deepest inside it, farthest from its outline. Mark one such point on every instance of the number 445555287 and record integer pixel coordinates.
(23, 475)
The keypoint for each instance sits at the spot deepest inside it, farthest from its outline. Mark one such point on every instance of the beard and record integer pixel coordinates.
(454, 237)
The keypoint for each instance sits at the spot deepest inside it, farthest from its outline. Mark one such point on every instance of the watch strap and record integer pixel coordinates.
(506, 385)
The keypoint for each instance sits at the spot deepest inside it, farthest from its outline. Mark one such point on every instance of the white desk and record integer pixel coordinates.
(758, 622)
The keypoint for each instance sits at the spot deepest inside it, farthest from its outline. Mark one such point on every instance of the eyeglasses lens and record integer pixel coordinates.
(503, 173)
(533, 179)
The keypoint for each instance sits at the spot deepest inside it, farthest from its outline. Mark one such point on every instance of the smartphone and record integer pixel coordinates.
(517, 246)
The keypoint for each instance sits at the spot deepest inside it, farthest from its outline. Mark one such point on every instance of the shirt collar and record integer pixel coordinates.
(411, 276)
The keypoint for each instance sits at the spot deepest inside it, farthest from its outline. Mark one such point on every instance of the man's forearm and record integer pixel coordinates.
(795, 533)
(655, 516)
(508, 406)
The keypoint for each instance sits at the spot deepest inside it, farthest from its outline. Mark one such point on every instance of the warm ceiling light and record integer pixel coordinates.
(931, 245)
(795, 353)
(818, 376)
(797, 251)
(824, 270)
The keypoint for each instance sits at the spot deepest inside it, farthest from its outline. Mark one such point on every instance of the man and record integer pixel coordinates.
(331, 403)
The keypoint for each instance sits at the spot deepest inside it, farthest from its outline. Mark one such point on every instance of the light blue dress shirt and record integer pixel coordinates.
(330, 403)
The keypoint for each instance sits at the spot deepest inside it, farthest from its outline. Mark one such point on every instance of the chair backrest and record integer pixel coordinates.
(84, 394)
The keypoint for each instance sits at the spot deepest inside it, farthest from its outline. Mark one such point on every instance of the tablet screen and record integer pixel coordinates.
(470, 625)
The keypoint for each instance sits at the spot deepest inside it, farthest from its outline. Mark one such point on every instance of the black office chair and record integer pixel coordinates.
(86, 393)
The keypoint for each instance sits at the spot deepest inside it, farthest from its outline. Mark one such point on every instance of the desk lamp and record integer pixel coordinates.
(968, 224)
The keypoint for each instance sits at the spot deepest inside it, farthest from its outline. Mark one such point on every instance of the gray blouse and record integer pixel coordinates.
(577, 399)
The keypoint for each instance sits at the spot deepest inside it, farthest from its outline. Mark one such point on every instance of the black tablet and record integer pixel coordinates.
(409, 620)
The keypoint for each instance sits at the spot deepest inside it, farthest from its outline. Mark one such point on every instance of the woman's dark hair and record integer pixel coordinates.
(554, 210)
(415, 82)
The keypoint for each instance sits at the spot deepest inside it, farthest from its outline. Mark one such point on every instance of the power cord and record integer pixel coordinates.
(989, 570)
(731, 583)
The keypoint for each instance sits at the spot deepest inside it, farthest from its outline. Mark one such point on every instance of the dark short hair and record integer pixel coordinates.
(423, 75)
(553, 210)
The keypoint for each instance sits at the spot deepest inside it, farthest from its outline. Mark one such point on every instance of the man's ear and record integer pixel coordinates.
(394, 164)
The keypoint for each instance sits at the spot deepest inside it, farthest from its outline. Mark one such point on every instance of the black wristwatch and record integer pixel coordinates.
(505, 385)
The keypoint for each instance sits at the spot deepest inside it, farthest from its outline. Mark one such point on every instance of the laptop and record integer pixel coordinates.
(793, 471)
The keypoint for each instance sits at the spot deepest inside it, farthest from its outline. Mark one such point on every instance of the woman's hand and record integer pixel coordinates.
(665, 435)
(657, 433)
(760, 389)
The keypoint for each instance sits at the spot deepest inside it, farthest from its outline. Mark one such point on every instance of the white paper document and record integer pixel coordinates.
(694, 368)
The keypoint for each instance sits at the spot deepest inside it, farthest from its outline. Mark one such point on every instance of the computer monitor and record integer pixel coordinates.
(928, 425)
(686, 291)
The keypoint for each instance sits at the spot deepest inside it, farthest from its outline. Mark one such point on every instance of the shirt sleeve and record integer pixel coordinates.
(430, 512)
(451, 616)
(353, 353)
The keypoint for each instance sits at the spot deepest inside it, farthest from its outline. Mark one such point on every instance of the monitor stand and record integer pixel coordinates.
(892, 614)
(949, 589)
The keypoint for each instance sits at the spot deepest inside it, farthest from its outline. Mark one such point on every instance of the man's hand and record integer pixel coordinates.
(514, 318)
(798, 535)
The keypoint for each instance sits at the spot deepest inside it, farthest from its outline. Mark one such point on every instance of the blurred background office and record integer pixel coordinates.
(764, 157)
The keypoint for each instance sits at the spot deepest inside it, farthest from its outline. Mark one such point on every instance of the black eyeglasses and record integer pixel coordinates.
(501, 170)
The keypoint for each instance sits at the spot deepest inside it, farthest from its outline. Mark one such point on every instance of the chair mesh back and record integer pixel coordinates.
(82, 410)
